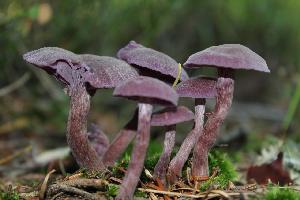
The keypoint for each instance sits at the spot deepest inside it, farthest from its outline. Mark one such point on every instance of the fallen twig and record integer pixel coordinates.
(14, 125)
(213, 193)
(15, 85)
(16, 154)
(44, 185)
(58, 188)
(85, 183)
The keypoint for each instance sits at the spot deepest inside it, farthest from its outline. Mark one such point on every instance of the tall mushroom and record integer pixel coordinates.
(146, 91)
(75, 75)
(151, 63)
(168, 118)
(226, 58)
(200, 89)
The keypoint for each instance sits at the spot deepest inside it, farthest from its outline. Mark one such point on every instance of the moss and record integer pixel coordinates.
(123, 163)
(10, 195)
(226, 171)
(93, 174)
(112, 190)
(282, 193)
(140, 194)
(153, 154)
(279, 193)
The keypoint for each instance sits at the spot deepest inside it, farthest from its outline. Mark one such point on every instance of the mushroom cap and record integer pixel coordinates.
(171, 116)
(107, 72)
(46, 57)
(147, 90)
(234, 56)
(66, 66)
(198, 87)
(150, 61)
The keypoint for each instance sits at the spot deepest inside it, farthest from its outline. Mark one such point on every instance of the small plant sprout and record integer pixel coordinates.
(200, 89)
(80, 81)
(150, 62)
(178, 75)
(226, 58)
(168, 118)
(147, 92)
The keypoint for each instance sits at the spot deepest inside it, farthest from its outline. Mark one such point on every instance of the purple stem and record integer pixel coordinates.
(121, 142)
(77, 137)
(177, 163)
(161, 166)
(225, 87)
(138, 154)
(98, 139)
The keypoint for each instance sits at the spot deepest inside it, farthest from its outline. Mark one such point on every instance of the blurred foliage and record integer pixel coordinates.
(9, 195)
(278, 193)
(176, 27)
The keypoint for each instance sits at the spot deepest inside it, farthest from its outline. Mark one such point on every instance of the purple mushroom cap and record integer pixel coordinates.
(199, 87)
(66, 66)
(107, 72)
(98, 71)
(234, 56)
(147, 90)
(46, 57)
(171, 116)
(150, 61)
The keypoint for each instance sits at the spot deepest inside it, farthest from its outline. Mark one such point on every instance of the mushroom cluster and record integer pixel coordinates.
(146, 76)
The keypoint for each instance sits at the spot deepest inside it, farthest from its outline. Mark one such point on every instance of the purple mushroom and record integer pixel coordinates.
(108, 73)
(226, 58)
(151, 63)
(168, 118)
(200, 89)
(75, 74)
(146, 91)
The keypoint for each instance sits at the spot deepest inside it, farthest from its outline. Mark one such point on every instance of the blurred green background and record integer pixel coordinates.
(33, 105)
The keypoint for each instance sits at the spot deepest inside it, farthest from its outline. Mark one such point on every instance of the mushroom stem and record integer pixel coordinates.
(98, 140)
(161, 166)
(225, 87)
(77, 138)
(121, 142)
(177, 163)
(138, 154)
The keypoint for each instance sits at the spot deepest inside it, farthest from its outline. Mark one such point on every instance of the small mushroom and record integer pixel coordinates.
(98, 139)
(121, 141)
(168, 118)
(146, 91)
(75, 74)
(226, 58)
(151, 63)
(200, 89)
